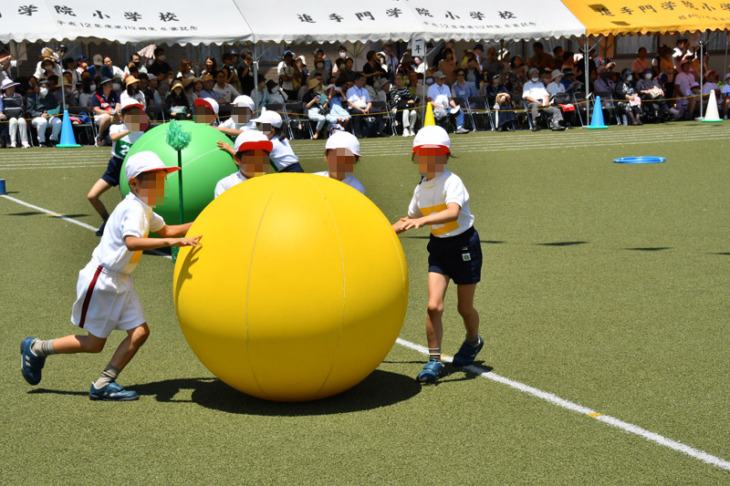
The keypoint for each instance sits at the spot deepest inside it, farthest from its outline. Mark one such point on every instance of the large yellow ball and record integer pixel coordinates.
(298, 291)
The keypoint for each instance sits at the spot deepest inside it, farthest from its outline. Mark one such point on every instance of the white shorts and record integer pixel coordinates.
(99, 117)
(105, 301)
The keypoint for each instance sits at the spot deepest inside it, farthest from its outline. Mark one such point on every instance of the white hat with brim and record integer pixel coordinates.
(131, 103)
(432, 136)
(208, 103)
(8, 83)
(146, 161)
(270, 117)
(244, 101)
(253, 140)
(344, 140)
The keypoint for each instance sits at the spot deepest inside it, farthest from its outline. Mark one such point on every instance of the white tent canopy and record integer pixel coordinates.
(286, 21)
(159, 21)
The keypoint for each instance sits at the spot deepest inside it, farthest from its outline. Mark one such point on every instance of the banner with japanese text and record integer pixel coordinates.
(606, 17)
(160, 21)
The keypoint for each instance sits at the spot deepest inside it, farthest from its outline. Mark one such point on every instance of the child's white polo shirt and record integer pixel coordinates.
(433, 196)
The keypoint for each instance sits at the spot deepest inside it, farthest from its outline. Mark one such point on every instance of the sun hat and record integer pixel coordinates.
(438, 74)
(244, 101)
(7, 83)
(177, 83)
(207, 102)
(130, 80)
(270, 117)
(556, 74)
(312, 83)
(146, 161)
(253, 140)
(345, 140)
(432, 136)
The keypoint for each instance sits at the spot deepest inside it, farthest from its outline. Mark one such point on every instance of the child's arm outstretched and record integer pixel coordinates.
(169, 238)
(451, 213)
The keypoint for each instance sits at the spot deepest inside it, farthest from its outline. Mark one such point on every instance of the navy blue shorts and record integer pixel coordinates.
(458, 257)
(113, 170)
(295, 167)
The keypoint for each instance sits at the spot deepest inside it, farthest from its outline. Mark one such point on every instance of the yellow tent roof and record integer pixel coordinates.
(645, 16)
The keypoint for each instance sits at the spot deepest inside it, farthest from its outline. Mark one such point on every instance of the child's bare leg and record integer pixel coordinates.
(465, 306)
(78, 344)
(99, 188)
(437, 285)
(129, 347)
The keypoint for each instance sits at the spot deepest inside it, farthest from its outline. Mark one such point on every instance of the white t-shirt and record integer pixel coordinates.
(228, 93)
(131, 217)
(287, 70)
(433, 196)
(439, 95)
(282, 155)
(228, 182)
(725, 90)
(229, 123)
(138, 97)
(349, 180)
(535, 91)
(122, 146)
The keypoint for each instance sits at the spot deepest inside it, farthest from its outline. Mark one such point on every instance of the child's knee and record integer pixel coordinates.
(466, 310)
(94, 345)
(435, 308)
(140, 335)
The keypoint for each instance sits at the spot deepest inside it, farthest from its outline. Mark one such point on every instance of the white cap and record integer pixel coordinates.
(98, 60)
(244, 101)
(208, 102)
(270, 117)
(145, 162)
(342, 139)
(432, 136)
(131, 103)
(252, 140)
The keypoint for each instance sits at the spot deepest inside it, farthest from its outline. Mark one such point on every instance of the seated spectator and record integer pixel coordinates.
(131, 91)
(569, 82)
(359, 104)
(652, 96)
(275, 93)
(338, 101)
(439, 95)
(537, 97)
(136, 60)
(43, 107)
(498, 97)
(242, 109)
(106, 106)
(604, 85)
(68, 91)
(380, 90)
(178, 105)
(159, 66)
(210, 68)
(12, 113)
(226, 91)
(401, 99)
(628, 101)
(231, 76)
(186, 70)
(316, 102)
(463, 88)
(640, 64)
(492, 64)
(208, 90)
(117, 72)
(86, 90)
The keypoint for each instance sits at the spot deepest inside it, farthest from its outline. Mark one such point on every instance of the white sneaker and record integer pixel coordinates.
(13, 145)
(26, 145)
(406, 132)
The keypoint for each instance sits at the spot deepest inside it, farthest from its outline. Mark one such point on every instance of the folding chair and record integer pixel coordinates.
(479, 107)
(298, 120)
(464, 104)
(382, 108)
(84, 128)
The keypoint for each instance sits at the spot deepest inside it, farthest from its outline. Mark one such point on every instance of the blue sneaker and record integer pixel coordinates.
(30, 363)
(112, 392)
(431, 371)
(467, 353)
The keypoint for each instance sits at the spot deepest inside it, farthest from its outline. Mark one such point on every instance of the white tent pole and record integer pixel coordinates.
(255, 57)
(587, 78)
(702, 71)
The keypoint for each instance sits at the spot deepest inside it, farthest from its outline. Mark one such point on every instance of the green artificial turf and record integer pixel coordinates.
(604, 284)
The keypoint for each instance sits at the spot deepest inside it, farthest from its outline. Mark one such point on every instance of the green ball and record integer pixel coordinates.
(203, 165)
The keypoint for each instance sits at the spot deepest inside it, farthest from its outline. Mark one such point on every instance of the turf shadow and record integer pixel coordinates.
(563, 243)
(380, 389)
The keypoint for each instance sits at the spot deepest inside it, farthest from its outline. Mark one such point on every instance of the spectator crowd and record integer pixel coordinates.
(382, 98)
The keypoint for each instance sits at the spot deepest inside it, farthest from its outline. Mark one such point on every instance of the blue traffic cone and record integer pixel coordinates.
(67, 133)
(597, 120)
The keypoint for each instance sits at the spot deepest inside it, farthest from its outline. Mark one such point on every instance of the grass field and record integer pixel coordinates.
(604, 305)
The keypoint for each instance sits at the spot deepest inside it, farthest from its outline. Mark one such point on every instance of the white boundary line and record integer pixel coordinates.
(535, 392)
(574, 407)
(66, 218)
